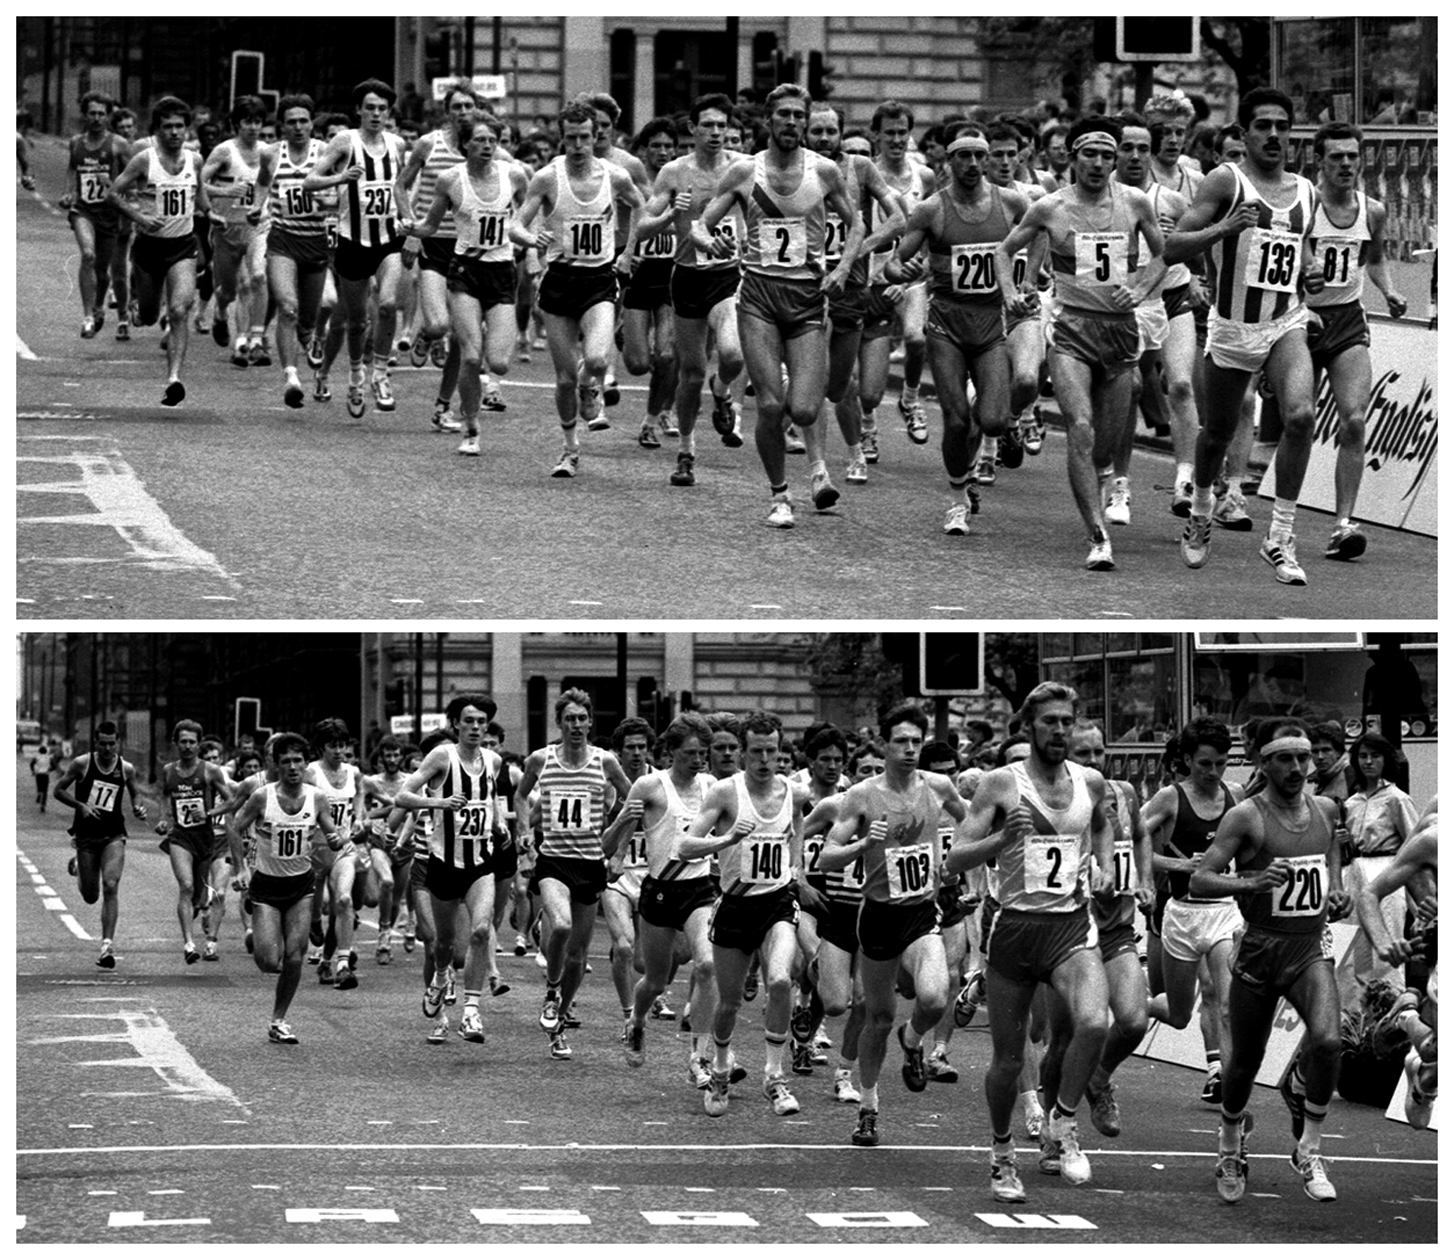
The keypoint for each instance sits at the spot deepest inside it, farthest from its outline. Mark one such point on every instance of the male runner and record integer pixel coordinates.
(624, 843)
(575, 779)
(891, 821)
(460, 779)
(1257, 217)
(1042, 819)
(785, 194)
(99, 827)
(1348, 242)
(169, 192)
(190, 787)
(1095, 229)
(341, 787)
(390, 860)
(95, 158)
(577, 194)
(287, 817)
(364, 162)
(240, 239)
(1289, 883)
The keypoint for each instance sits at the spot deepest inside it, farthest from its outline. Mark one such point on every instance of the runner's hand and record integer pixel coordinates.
(1243, 217)
(1397, 306)
(1273, 876)
(878, 832)
(1018, 824)
(741, 829)
(1339, 905)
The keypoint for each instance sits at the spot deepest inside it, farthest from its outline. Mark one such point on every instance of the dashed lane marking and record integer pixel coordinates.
(123, 1220)
(23, 351)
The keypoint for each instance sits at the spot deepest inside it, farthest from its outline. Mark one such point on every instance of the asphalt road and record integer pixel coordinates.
(231, 506)
(151, 1107)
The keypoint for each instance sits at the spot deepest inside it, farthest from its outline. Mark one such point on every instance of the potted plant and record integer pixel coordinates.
(1365, 1076)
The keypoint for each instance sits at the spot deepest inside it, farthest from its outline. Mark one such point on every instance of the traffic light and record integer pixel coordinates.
(820, 77)
(789, 68)
(1147, 39)
(439, 46)
(394, 697)
(764, 62)
(950, 664)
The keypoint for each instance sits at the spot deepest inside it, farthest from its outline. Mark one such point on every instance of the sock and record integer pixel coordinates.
(868, 424)
(105, 942)
(572, 438)
(1313, 1118)
(989, 448)
(1282, 513)
(1121, 483)
(472, 998)
(1202, 501)
(910, 393)
(1003, 1145)
(816, 467)
(722, 1059)
(870, 1098)
(486, 380)
(1230, 1138)
(912, 1038)
(1061, 1112)
(773, 1060)
(959, 486)
(1183, 471)
(355, 372)
(1295, 1080)
(855, 452)
(441, 976)
(1214, 1060)
(381, 365)
(1030, 1100)
(779, 492)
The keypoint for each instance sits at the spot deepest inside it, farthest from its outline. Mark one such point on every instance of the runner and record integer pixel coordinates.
(166, 177)
(1348, 234)
(577, 195)
(287, 816)
(624, 844)
(390, 861)
(1257, 217)
(785, 194)
(341, 786)
(760, 853)
(240, 239)
(96, 157)
(959, 897)
(98, 830)
(575, 779)
(190, 787)
(1094, 229)
(891, 821)
(1042, 819)
(1289, 884)
(365, 162)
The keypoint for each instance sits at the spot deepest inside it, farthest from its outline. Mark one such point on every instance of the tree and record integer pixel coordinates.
(1058, 49)
(1012, 665)
(1245, 44)
(854, 666)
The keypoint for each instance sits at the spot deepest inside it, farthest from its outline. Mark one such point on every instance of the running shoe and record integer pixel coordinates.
(559, 1048)
(239, 353)
(433, 1000)
(550, 1013)
(1049, 1154)
(1418, 1101)
(984, 471)
(1104, 1111)
(914, 421)
(449, 993)
(723, 417)
(569, 1018)
(279, 1031)
(106, 960)
(699, 1072)
(865, 1133)
(635, 1039)
(71, 868)
(470, 445)
(88, 328)
(209, 952)
(498, 988)
(123, 330)
(589, 395)
(418, 350)
(1231, 512)
(612, 392)
(344, 978)
(293, 395)
(490, 399)
(844, 1090)
(1196, 541)
(1099, 559)
(1070, 1159)
(1005, 1183)
(802, 1059)
(937, 1067)
(1034, 432)
(1034, 1123)
(669, 426)
(569, 464)
(521, 948)
(257, 355)
(913, 1068)
(314, 352)
(471, 1027)
(1388, 1033)
(1283, 559)
(247, 940)
(1118, 503)
(1346, 542)
(825, 493)
(443, 421)
(970, 999)
(409, 940)
(382, 954)
(856, 473)
(325, 971)
(1212, 1087)
(355, 400)
(101, 316)
(775, 1090)
(1315, 1177)
(648, 438)
(732, 439)
(660, 1009)
(715, 1101)
(1012, 446)
(801, 1023)
(956, 519)
(190, 954)
(383, 392)
(439, 352)
(1231, 1178)
(868, 439)
(219, 331)
(793, 441)
(1181, 499)
(173, 394)
(780, 517)
(321, 390)
(438, 1031)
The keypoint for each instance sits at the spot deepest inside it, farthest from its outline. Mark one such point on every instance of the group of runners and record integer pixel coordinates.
(1118, 273)
(869, 875)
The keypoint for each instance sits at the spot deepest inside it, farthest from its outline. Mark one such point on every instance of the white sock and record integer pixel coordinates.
(1183, 472)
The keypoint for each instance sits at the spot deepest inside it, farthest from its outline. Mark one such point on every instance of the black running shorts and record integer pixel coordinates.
(742, 923)
(696, 290)
(569, 292)
(885, 930)
(584, 877)
(669, 903)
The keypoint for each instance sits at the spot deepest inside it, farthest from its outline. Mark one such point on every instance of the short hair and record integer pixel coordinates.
(389, 743)
(295, 100)
(683, 728)
(211, 742)
(1232, 131)
(937, 750)
(333, 120)
(1046, 136)
(659, 126)
(904, 711)
(1095, 122)
(1045, 693)
(461, 87)
(891, 109)
(285, 742)
(823, 738)
(434, 739)
(785, 90)
(249, 754)
(119, 116)
(495, 729)
(1335, 131)
(1012, 741)
(722, 720)
(994, 133)
(458, 704)
(872, 748)
(490, 121)
(984, 728)
(571, 695)
(1201, 731)
(95, 98)
(1329, 732)
(165, 107)
(827, 107)
(1375, 742)
(107, 728)
(575, 113)
(1272, 727)
(1260, 96)
(605, 103)
(950, 132)
(247, 109)
(1130, 118)
(1170, 105)
(761, 722)
(628, 727)
(712, 100)
(378, 87)
(186, 724)
(331, 730)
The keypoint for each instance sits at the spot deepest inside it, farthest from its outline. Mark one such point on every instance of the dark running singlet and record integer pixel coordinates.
(1193, 835)
(191, 796)
(962, 259)
(101, 790)
(1298, 907)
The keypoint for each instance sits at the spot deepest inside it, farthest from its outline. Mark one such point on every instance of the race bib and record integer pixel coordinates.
(910, 871)
(375, 198)
(973, 269)
(569, 811)
(1100, 258)
(946, 841)
(103, 796)
(175, 201)
(296, 202)
(764, 859)
(94, 185)
(189, 811)
(1051, 864)
(782, 243)
(492, 228)
(330, 231)
(1022, 264)
(1272, 259)
(587, 240)
(288, 841)
(1342, 258)
(835, 236)
(337, 812)
(1123, 868)
(726, 230)
(636, 848)
(812, 847)
(245, 193)
(1306, 888)
(662, 245)
(472, 820)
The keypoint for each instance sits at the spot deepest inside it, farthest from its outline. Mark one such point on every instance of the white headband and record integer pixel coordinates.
(1094, 137)
(970, 141)
(1287, 743)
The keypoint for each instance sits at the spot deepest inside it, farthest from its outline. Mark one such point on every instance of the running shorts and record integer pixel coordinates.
(203, 847)
(742, 923)
(507, 860)
(1177, 301)
(694, 291)
(281, 891)
(846, 311)
(584, 877)
(97, 844)
(1026, 948)
(793, 307)
(973, 328)
(1269, 963)
(1336, 329)
(878, 314)
(838, 924)
(357, 262)
(1101, 341)
(569, 292)
(649, 286)
(1116, 941)
(1243, 347)
(1190, 929)
(309, 253)
(669, 903)
(437, 255)
(489, 283)
(628, 884)
(417, 872)
(885, 930)
(105, 218)
(1152, 325)
(157, 255)
(451, 883)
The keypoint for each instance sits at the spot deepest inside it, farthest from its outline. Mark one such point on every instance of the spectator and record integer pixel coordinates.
(1380, 818)
(1334, 777)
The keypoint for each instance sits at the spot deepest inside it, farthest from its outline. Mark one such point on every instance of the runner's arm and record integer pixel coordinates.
(843, 845)
(975, 840)
(1200, 227)
(73, 774)
(538, 195)
(1377, 264)
(444, 199)
(1239, 834)
(334, 158)
(720, 805)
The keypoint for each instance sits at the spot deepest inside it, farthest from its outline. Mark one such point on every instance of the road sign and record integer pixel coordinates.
(403, 724)
(489, 86)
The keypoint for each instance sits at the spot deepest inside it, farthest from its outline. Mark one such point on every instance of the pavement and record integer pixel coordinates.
(151, 1107)
(234, 507)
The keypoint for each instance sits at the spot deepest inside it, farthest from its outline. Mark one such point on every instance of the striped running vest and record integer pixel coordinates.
(442, 155)
(760, 863)
(572, 804)
(583, 233)
(664, 837)
(283, 845)
(1090, 259)
(171, 198)
(1343, 254)
(785, 232)
(484, 228)
(1047, 871)
(367, 216)
(1258, 269)
(463, 837)
(294, 211)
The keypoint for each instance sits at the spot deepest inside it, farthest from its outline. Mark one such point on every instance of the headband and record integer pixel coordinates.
(1287, 743)
(1094, 137)
(970, 141)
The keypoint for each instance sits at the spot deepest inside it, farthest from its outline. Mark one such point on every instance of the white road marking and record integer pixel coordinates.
(740, 1219)
(76, 929)
(100, 1192)
(22, 350)
(122, 1220)
(528, 1216)
(406, 601)
(319, 1216)
(164, 1192)
(1029, 1220)
(156, 1048)
(45, 890)
(53, 903)
(866, 1220)
(122, 503)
